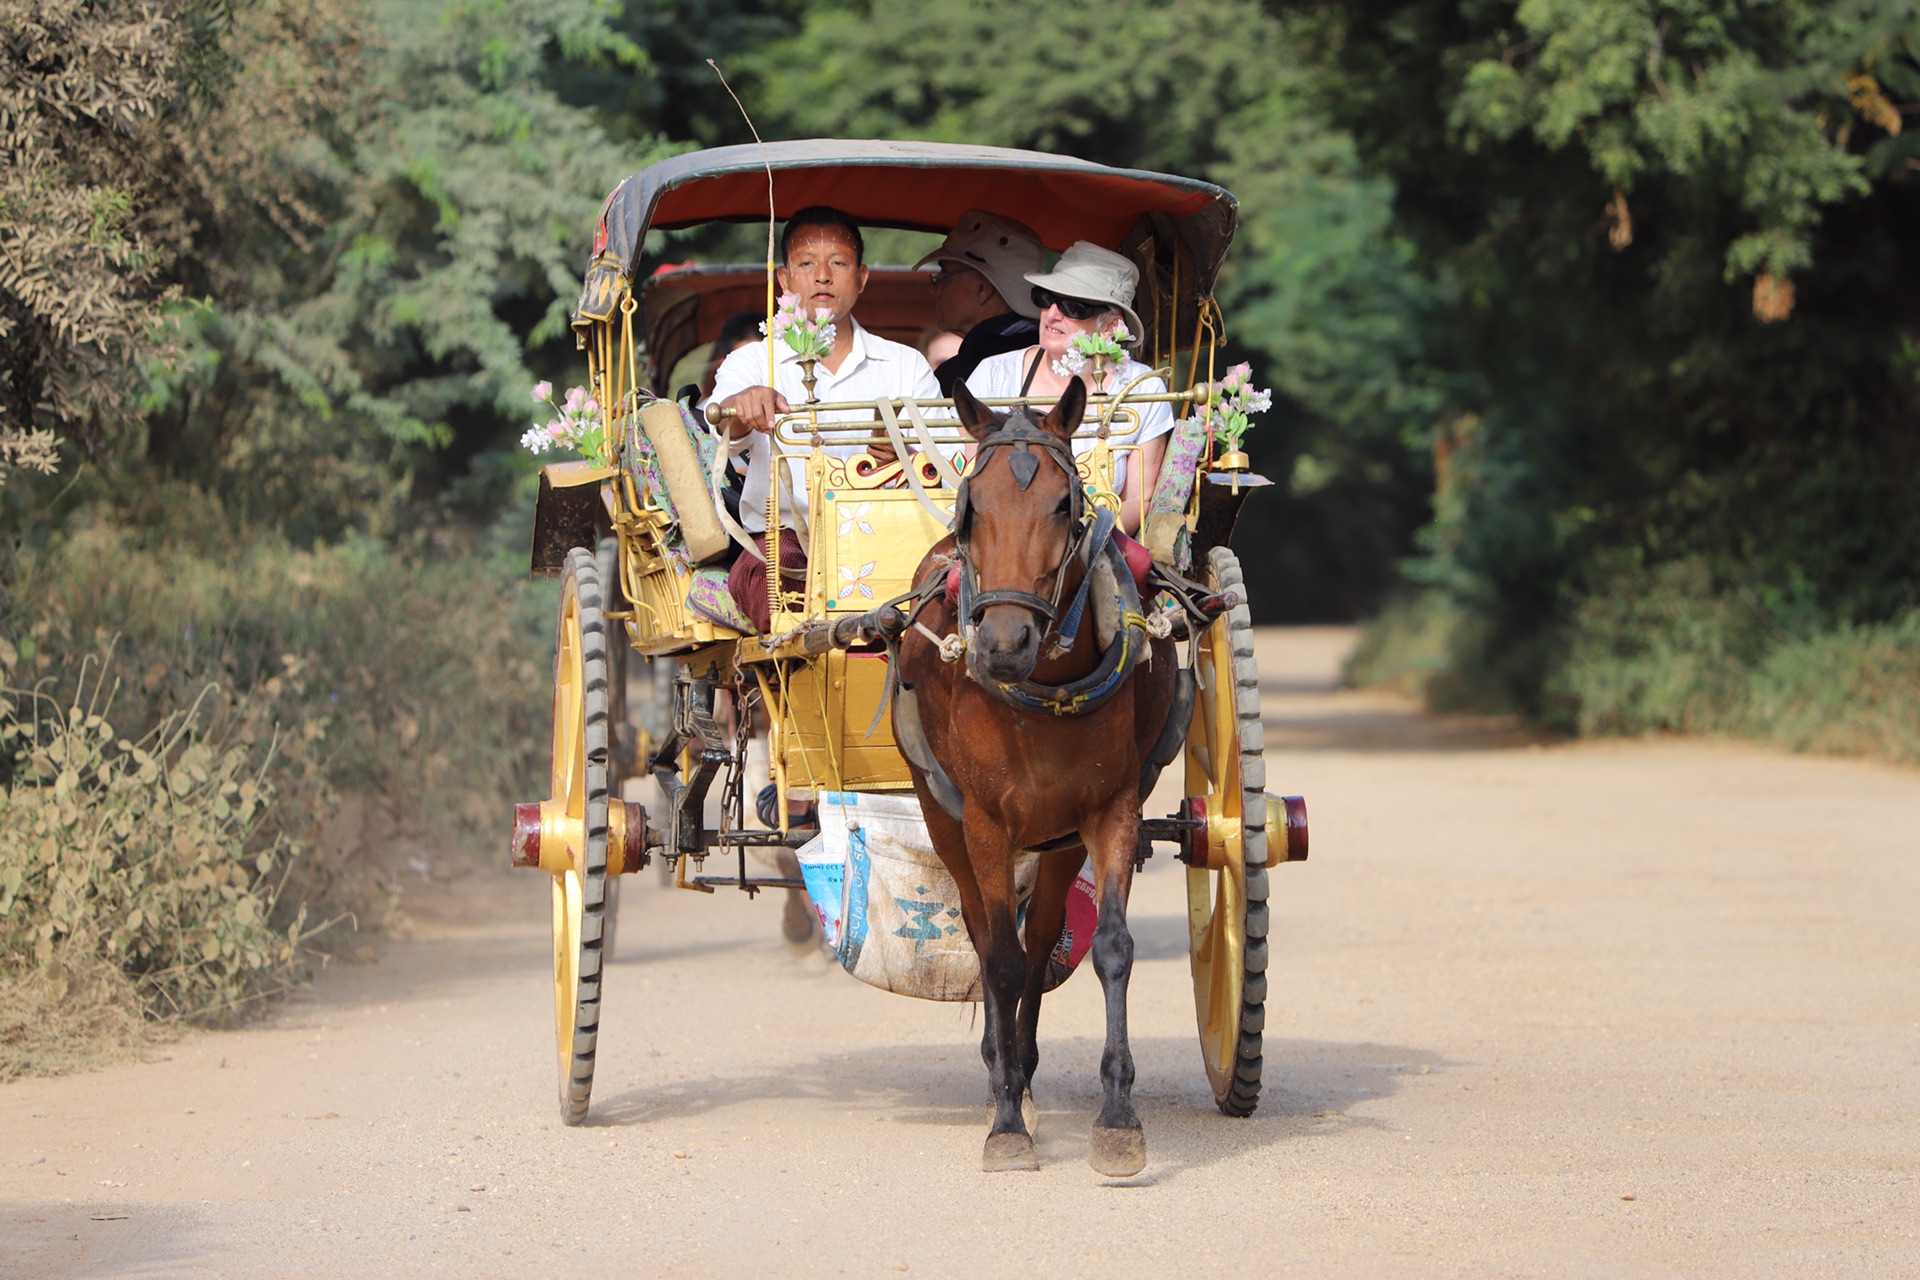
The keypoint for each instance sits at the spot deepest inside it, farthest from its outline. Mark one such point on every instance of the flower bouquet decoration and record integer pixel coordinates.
(1103, 351)
(808, 337)
(574, 424)
(1235, 400)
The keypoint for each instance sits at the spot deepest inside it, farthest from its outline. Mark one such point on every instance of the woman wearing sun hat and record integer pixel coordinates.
(1090, 290)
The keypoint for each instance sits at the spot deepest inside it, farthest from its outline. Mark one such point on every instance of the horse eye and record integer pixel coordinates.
(1066, 506)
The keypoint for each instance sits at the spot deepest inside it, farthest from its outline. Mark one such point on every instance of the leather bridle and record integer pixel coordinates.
(1021, 435)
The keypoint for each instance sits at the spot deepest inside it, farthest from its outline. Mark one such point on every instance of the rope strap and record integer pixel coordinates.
(905, 458)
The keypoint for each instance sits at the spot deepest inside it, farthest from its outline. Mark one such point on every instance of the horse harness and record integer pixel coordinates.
(1023, 437)
(1091, 541)
(1091, 544)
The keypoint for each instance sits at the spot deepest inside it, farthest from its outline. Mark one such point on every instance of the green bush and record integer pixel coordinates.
(1854, 691)
(1665, 649)
(1671, 649)
(167, 797)
(426, 667)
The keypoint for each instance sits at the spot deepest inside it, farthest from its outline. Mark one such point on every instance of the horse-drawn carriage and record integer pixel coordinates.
(642, 548)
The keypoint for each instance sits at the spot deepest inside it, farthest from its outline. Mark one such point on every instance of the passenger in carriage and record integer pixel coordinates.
(824, 255)
(981, 292)
(1089, 290)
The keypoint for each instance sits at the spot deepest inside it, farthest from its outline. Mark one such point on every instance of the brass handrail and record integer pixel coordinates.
(715, 414)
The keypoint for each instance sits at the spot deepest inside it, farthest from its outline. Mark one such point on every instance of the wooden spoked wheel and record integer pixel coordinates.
(580, 704)
(1227, 877)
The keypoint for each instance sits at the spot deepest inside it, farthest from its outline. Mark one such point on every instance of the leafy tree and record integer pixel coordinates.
(434, 244)
(679, 96)
(1669, 242)
(1322, 291)
(84, 93)
(292, 252)
(1327, 292)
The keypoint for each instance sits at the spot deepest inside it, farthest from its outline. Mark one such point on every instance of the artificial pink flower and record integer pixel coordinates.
(542, 391)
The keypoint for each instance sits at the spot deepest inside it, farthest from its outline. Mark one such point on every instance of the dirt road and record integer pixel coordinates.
(1616, 1009)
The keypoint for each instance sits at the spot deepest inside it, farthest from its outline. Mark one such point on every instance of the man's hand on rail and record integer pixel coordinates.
(754, 409)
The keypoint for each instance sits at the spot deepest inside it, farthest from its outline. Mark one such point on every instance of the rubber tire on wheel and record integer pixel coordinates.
(1227, 906)
(620, 735)
(580, 780)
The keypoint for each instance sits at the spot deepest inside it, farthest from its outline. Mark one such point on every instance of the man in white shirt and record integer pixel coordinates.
(825, 267)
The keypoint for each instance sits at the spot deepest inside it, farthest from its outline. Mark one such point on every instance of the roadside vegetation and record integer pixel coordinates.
(1595, 356)
(189, 732)
(1679, 660)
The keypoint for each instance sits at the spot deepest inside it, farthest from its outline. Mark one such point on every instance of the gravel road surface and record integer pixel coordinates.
(1610, 1009)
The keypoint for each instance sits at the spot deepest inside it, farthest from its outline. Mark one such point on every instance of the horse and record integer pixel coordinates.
(1043, 739)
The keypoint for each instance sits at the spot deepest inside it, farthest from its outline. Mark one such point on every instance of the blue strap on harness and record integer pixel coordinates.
(1097, 539)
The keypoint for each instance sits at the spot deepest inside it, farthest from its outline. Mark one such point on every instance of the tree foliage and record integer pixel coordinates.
(1668, 242)
(441, 245)
(1322, 291)
(291, 251)
(85, 91)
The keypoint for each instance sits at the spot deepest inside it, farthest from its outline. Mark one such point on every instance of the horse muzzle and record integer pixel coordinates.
(1004, 646)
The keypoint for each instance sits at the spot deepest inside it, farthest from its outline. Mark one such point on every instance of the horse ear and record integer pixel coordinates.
(1064, 418)
(974, 416)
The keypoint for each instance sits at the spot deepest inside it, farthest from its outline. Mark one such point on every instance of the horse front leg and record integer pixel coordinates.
(1003, 971)
(1046, 920)
(1119, 1148)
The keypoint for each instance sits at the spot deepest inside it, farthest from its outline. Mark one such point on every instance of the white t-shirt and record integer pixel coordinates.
(999, 378)
(876, 368)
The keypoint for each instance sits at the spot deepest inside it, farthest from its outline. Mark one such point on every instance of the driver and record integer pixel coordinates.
(825, 267)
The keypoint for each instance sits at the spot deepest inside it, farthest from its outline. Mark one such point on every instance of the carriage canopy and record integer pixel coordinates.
(1176, 230)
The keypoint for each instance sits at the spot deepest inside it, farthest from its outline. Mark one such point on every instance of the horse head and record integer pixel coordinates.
(1017, 528)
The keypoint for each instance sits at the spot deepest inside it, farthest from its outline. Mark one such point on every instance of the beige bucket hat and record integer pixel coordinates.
(1092, 274)
(1000, 249)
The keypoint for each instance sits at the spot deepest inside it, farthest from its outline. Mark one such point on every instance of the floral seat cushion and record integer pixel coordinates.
(708, 596)
(644, 463)
(1164, 527)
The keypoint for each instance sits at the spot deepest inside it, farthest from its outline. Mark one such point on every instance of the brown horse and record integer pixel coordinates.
(1031, 748)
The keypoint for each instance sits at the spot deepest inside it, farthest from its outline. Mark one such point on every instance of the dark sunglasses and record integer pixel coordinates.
(1071, 308)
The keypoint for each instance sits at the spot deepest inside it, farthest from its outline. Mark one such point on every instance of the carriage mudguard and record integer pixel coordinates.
(573, 510)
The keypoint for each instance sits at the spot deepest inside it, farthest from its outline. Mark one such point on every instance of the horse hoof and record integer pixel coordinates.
(1118, 1153)
(798, 925)
(1029, 1114)
(1009, 1153)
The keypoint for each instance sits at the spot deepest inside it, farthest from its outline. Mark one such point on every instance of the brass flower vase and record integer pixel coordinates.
(1234, 464)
